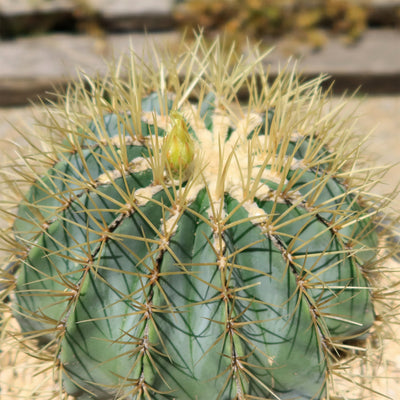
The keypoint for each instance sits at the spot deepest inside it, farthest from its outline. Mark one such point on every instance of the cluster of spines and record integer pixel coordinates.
(116, 155)
(218, 226)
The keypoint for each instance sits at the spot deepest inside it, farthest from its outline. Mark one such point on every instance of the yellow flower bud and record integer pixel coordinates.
(179, 147)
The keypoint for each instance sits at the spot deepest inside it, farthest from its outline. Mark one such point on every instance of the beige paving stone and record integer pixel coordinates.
(17, 7)
(114, 7)
(31, 66)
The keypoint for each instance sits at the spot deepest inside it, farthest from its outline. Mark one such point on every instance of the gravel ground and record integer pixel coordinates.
(383, 147)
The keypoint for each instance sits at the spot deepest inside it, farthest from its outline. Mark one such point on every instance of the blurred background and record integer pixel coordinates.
(44, 43)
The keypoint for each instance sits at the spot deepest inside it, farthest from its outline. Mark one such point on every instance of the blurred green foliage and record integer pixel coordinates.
(308, 20)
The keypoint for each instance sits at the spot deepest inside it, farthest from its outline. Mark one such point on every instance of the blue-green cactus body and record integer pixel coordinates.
(193, 299)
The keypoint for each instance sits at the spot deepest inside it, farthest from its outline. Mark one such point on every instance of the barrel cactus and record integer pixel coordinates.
(178, 242)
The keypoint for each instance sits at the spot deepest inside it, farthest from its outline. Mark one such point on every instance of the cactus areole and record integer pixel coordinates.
(180, 244)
